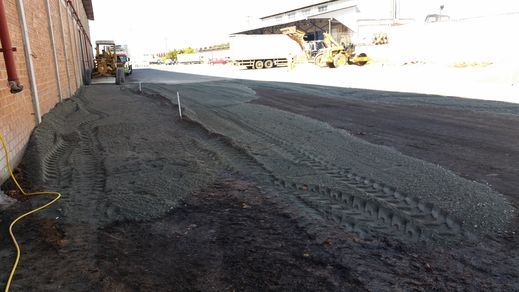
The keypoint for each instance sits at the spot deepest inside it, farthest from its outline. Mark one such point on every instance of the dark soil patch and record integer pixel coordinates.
(224, 238)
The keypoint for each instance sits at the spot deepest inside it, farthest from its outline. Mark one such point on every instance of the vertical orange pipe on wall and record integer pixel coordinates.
(75, 16)
(7, 50)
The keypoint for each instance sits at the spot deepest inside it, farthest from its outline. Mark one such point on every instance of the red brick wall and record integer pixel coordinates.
(17, 114)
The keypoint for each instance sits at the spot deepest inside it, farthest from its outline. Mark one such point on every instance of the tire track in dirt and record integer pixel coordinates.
(63, 157)
(354, 207)
(236, 159)
(402, 211)
(54, 167)
(361, 204)
(70, 162)
(88, 174)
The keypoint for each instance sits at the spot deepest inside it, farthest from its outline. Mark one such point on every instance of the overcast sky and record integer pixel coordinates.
(154, 25)
(157, 25)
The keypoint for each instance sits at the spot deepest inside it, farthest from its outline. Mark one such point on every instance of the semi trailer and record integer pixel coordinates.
(262, 51)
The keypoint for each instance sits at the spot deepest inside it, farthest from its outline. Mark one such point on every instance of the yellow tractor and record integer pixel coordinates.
(334, 55)
(105, 62)
(325, 52)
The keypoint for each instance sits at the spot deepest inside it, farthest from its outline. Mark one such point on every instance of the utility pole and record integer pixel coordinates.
(396, 7)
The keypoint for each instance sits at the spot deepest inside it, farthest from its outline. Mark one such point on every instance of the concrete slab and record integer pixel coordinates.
(103, 80)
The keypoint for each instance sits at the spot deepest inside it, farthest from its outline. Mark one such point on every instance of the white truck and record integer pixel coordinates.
(123, 59)
(262, 51)
(194, 58)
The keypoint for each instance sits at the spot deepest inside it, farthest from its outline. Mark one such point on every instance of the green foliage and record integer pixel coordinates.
(222, 46)
(173, 54)
(188, 50)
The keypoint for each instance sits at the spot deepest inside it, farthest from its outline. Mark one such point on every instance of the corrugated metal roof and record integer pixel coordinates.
(305, 4)
(87, 4)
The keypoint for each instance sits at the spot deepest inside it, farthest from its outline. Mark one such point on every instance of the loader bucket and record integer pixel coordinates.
(360, 59)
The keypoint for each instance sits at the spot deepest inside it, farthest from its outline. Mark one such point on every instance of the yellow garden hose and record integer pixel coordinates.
(15, 242)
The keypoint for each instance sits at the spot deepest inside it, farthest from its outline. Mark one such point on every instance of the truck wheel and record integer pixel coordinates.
(258, 64)
(269, 64)
(339, 60)
(119, 76)
(319, 60)
(362, 63)
(249, 67)
(87, 76)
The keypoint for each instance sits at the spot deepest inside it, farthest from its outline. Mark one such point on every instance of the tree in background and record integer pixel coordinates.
(173, 54)
(188, 50)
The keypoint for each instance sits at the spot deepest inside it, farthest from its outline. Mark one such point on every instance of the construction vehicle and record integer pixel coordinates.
(123, 59)
(335, 55)
(105, 62)
(263, 51)
(310, 48)
(327, 52)
(193, 58)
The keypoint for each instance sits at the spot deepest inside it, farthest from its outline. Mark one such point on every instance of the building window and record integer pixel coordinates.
(279, 18)
(306, 11)
(323, 8)
(291, 15)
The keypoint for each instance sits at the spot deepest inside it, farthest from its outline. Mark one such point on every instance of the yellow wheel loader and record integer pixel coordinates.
(334, 55)
(105, 62)
(327, 52)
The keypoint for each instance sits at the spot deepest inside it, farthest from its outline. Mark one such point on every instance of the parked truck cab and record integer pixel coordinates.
(124, 61)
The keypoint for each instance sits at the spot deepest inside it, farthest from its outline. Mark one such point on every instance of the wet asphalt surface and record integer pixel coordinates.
(215, 203)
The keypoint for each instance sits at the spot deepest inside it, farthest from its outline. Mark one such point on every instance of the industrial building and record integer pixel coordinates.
(347, 20)
(46, 49)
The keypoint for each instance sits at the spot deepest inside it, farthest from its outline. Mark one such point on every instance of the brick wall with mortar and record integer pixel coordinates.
(17, 111)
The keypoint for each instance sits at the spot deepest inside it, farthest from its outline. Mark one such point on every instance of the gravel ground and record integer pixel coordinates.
(271, 137)
(243, 196)
(437, 129)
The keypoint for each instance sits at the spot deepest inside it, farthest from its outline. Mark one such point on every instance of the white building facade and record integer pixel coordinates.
(347, 20)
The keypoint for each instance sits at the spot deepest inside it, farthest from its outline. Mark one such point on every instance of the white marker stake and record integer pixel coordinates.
(179, 108)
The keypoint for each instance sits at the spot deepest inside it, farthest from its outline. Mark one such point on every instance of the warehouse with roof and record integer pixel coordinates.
(347, 20)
